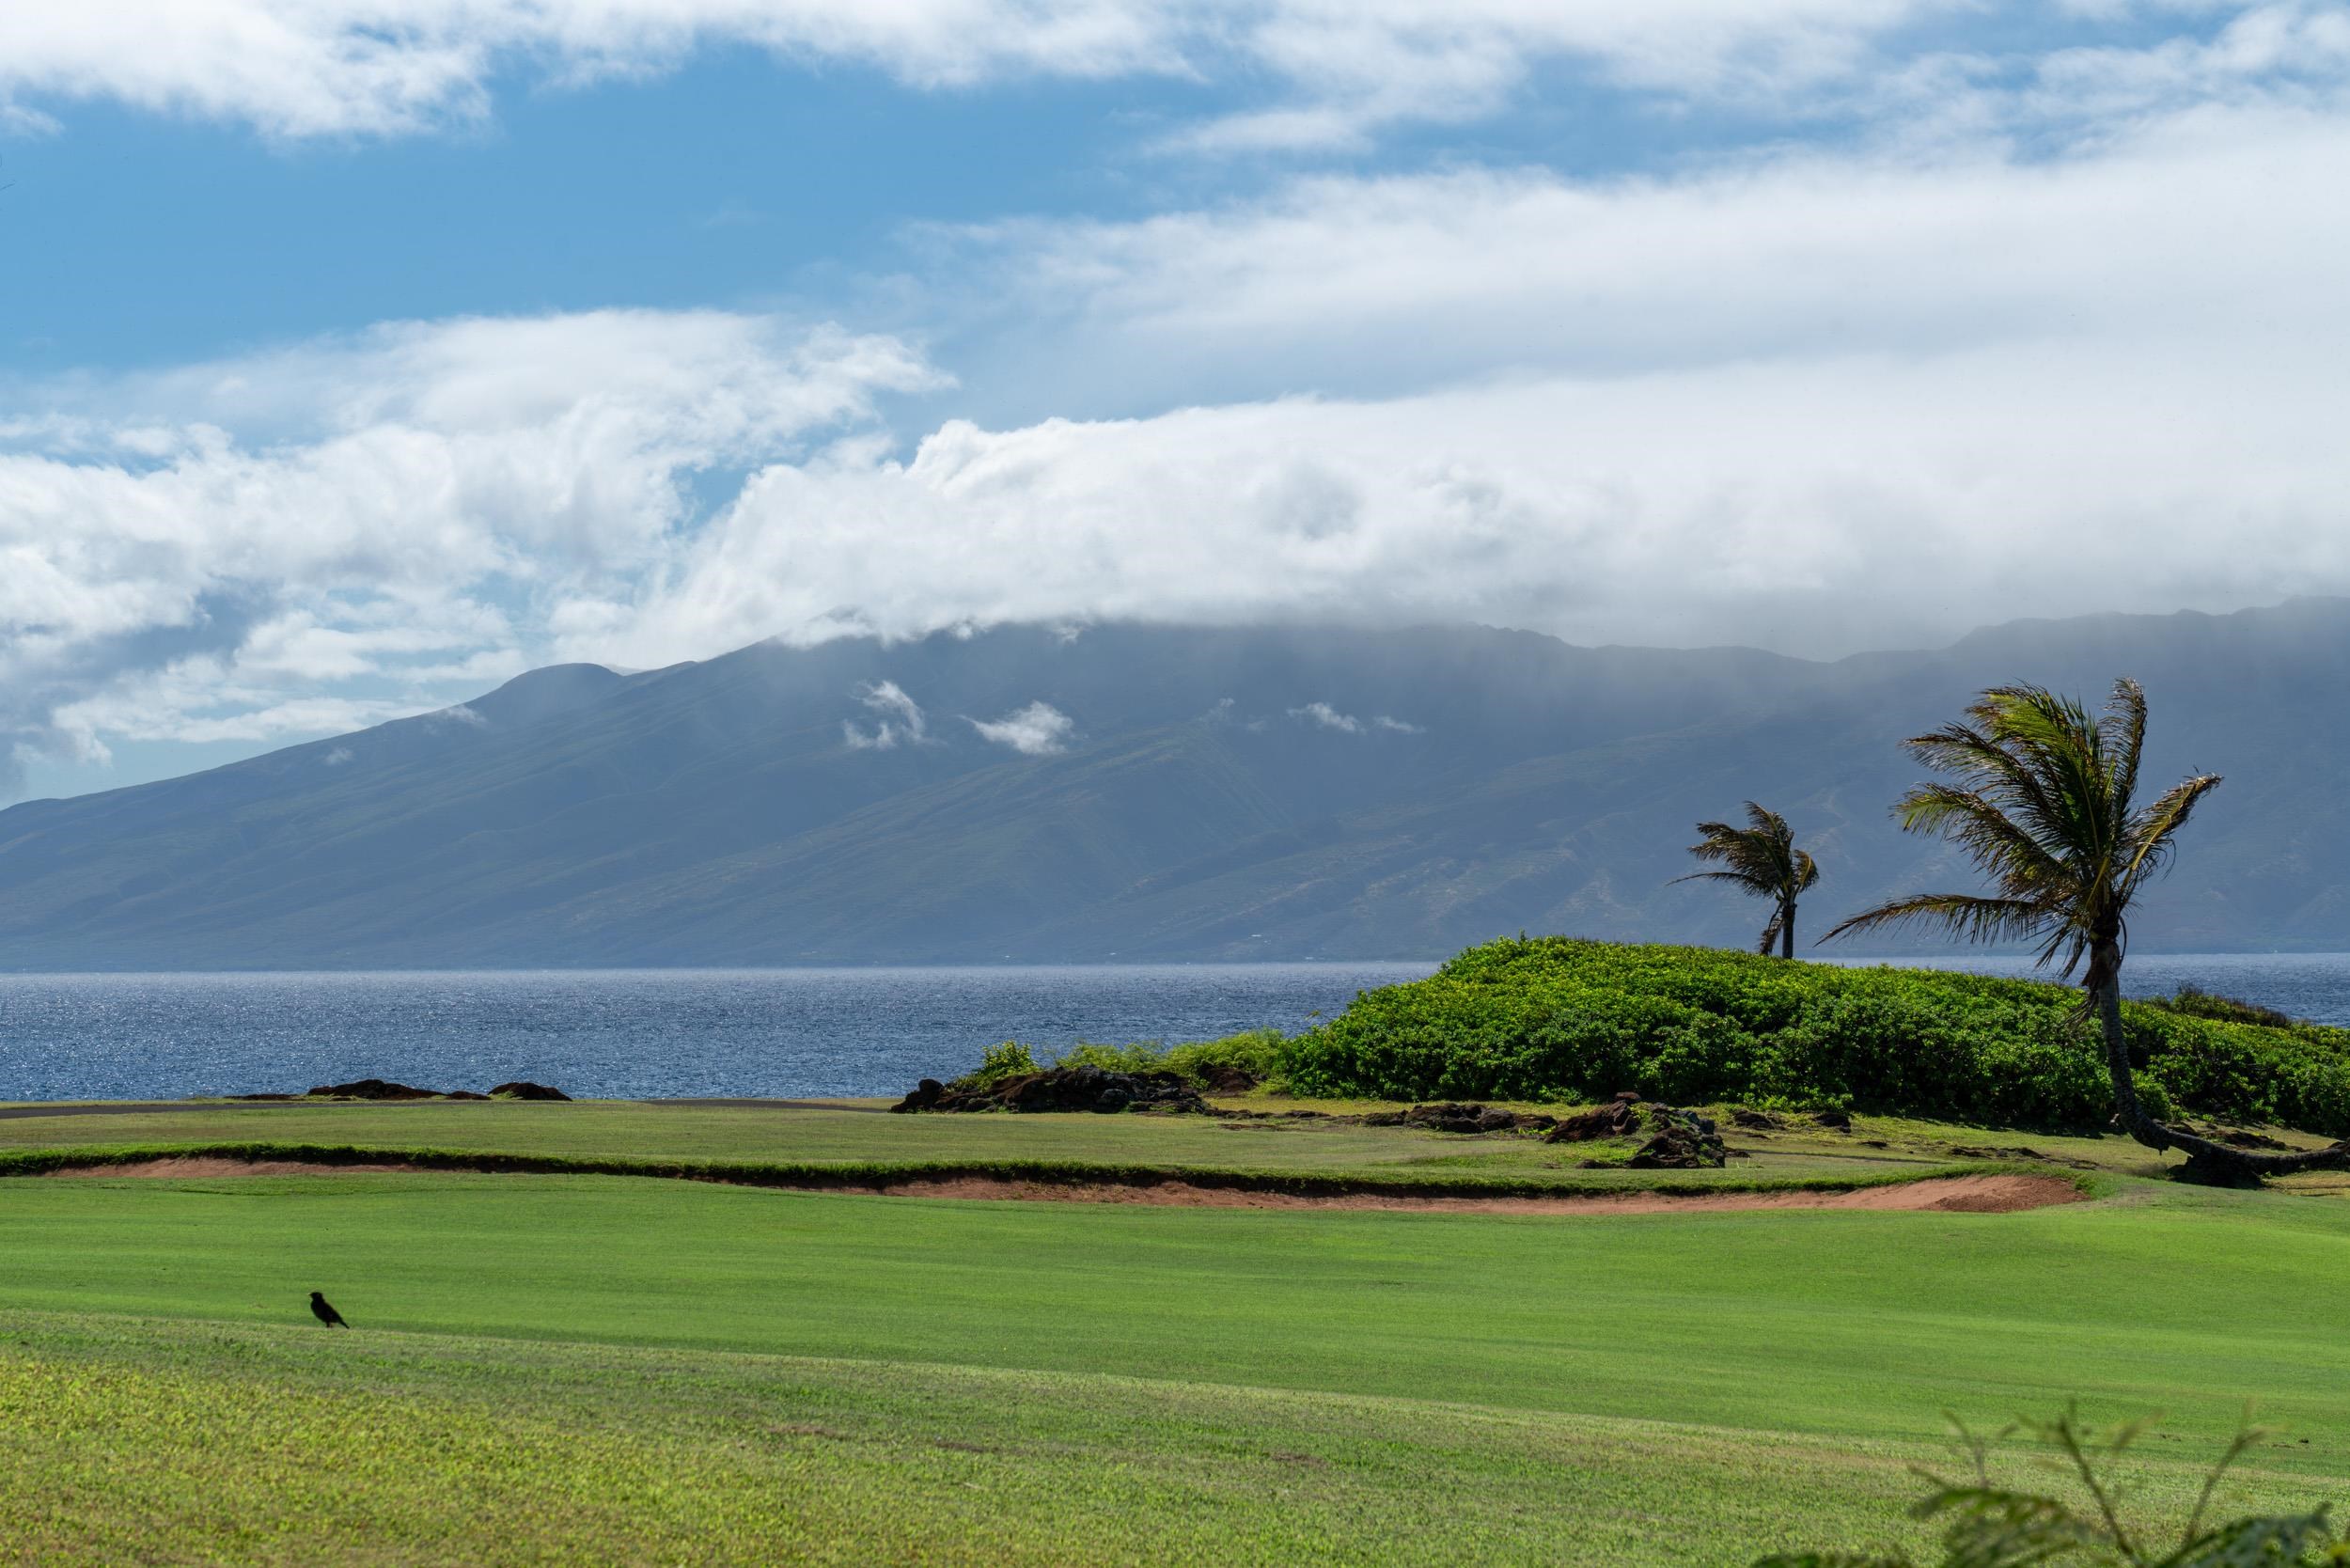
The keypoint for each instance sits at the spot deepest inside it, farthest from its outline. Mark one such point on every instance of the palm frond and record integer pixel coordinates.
(2151, 830)
(1974, 918)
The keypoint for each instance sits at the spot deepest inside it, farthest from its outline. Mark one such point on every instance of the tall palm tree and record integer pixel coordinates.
(1759, 858)
(2042, 798)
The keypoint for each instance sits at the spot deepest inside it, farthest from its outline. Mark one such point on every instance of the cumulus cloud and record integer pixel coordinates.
(902, 721)
(190, 552)
(1039, 730)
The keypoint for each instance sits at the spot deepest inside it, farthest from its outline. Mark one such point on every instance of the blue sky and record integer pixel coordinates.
(364, 352)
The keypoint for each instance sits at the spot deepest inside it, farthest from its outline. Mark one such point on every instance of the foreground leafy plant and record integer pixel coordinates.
(1989, 1526)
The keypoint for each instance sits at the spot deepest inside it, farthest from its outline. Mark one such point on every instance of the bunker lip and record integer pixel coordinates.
(1994, 1193)
(190, 1166)
(2006, 1192)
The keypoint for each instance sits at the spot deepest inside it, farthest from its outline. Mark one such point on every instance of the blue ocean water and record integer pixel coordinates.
(788, 1033)
(627, 1034)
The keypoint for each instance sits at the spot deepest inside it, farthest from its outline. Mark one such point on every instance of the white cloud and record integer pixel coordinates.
(1327, 72)
(240, 534)
(2187, 227)
(1328, 717)
(336, 758)
(1038, 730)
(902, 721)
(1813, 402)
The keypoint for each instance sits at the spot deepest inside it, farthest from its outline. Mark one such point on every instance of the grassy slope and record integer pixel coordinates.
(1792, 1361)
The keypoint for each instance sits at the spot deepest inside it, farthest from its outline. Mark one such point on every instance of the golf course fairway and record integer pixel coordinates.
(583, 1368)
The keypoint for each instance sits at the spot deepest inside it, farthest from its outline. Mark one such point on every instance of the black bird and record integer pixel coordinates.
(325, 1311)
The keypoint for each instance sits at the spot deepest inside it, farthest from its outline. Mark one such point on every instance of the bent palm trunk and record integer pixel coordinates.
(2216, 1164)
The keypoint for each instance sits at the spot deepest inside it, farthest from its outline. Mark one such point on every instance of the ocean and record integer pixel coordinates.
(786, 1033)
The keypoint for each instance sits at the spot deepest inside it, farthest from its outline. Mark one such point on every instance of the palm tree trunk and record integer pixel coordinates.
(2214, 1164)
(1787, 930)
(2106, 998)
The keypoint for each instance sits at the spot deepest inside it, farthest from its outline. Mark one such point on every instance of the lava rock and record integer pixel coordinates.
(925, 1096)
(373, 1088)
(1452, 1116)
(1672, 1140)
(1060, 1089)
(520, 1090)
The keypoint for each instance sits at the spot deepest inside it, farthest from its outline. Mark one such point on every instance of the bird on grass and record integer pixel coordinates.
(325, 1311)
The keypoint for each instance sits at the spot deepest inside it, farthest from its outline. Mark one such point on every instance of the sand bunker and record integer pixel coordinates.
(1979, 1195)
(1982, 1195)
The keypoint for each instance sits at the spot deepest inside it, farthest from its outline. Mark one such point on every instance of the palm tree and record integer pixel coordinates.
(1759, 858)
(2042, 798)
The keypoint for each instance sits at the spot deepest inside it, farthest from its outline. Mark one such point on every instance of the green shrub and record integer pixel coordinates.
(1557, 1019)
(1114, 1059)
(1007, 1060)
(1257, 1052)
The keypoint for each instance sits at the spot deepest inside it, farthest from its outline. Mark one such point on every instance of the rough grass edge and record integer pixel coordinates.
(878, 1173)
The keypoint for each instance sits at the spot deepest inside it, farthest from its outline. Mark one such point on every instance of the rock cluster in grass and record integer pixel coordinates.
(381, 1088)
(522, 1088)
(1454, 1117)
(1672, 1140)
(1060, 1089)
(384, 1088)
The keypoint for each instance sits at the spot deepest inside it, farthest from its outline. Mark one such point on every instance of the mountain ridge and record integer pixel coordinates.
(1269, 791)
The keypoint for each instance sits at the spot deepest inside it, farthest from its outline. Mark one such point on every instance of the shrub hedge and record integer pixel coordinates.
(1563, 1019)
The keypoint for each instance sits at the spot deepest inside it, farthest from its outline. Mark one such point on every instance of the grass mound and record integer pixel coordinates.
(1559, 1019)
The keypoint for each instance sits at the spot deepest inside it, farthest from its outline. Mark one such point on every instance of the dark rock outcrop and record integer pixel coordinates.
(1060, 1089)
(373, 1088)
(1455, 1117)
(520, 1090)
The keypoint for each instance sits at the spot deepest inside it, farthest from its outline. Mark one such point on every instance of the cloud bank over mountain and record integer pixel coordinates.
(1963, 314)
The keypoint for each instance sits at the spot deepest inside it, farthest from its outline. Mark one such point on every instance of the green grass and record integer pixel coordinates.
(593, 1368)
(620, 1131)
(435, 1449)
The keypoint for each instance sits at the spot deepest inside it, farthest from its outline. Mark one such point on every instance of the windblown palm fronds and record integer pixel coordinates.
(1760, 858)
(2042, 798)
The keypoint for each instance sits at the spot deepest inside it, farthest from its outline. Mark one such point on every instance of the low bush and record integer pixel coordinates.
(1559, 1019)
(1202, 1063)
(997, 1062)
